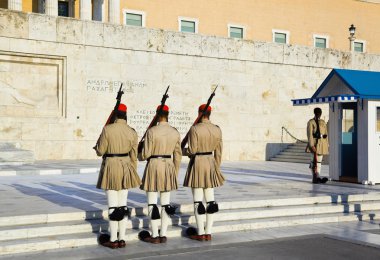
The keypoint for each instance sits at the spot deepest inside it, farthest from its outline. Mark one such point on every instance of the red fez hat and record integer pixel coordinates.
(122, 108)
(202, 107)
(165, 108)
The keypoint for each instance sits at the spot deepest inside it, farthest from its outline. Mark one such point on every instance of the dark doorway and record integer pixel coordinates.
(349, 148)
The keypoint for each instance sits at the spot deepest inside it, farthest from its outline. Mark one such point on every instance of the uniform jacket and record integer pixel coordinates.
(204, 170)
(161, 173)
(118, 172)
(323, 143)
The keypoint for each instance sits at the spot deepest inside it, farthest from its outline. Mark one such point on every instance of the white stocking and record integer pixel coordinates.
(164, 200)
(152, 199)
(209, 195)
(198, 196)
(112, 199)
(122, 197)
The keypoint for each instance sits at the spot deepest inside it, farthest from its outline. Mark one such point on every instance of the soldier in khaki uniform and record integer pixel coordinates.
(162, 150)
(118, 146)
(203, 173)
(317, 143)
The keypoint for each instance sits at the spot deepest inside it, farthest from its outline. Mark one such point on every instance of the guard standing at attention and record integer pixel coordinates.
(117, 145)
(318, 144)
(203, 172)
(162, 150)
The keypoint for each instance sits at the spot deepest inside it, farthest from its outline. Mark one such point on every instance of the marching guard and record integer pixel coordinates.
(203, 172)
(161, 148)
(117, 145)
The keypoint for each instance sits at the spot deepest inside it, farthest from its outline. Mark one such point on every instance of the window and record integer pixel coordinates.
(65, 8)
(321, 41)
(134, 18)
(188, 24)
(280, 36)
(236, 31)
(359, 46)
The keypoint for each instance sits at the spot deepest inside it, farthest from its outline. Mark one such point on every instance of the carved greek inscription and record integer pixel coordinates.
(142, 118)
(112, 86)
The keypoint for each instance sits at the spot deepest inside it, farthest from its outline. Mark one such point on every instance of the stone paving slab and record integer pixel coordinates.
(245, 181)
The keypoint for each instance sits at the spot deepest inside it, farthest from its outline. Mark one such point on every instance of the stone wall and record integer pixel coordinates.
(59, 77)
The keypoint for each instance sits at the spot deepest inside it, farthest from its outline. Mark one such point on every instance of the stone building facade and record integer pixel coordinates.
(322, 23)
(59, 77)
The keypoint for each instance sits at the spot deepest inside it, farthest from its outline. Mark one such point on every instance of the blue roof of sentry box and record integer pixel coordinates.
(364, 84)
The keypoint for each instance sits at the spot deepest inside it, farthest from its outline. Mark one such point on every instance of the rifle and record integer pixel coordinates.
(200, 115)
(154, 120)
(111, 117)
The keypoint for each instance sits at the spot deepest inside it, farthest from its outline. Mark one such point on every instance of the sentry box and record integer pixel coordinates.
(354, 124)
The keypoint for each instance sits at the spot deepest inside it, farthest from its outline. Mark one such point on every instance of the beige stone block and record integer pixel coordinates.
(183, 61)
(261, 52)
(35, 131)
(210, 64)
(114, 36)
(361, 61)
(137, 38)
(14, 24)
(229, 48)
(93, 33)
(246, 51)
(276, 52)
(70, 30)
(49, 150)
(334, 58)
(155, 40)
(183, 43)
(304, 55)
(22, 45)
(4, 44)
(237, 65)
(10, 130)
(42, 27)
(210, 46)
(319, 57)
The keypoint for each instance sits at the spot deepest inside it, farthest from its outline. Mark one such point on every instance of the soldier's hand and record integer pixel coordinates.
(314, 149)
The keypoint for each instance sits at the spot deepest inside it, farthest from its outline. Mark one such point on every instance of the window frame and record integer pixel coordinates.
(287, 33)
(137, 12)
(359, 41)
(188, 19)
(236, 26)
(326, 37)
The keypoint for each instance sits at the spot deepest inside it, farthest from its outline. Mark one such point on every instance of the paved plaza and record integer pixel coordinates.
(69, 187)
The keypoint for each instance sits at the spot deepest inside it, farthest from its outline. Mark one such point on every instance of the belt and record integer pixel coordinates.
(116, 155)
(204, 153)
(160, 156)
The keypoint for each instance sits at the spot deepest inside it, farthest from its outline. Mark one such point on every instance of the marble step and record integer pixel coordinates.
(293, 156)
(301, 154)
(71, 227)
(86, 239)
(8, 221)
(275, 159)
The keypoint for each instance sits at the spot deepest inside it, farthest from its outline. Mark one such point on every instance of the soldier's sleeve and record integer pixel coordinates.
(133, 152)
(148, 145)
(219, 149)
(102, 144)
(177, 154)
(309, 133)
(193, 142)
